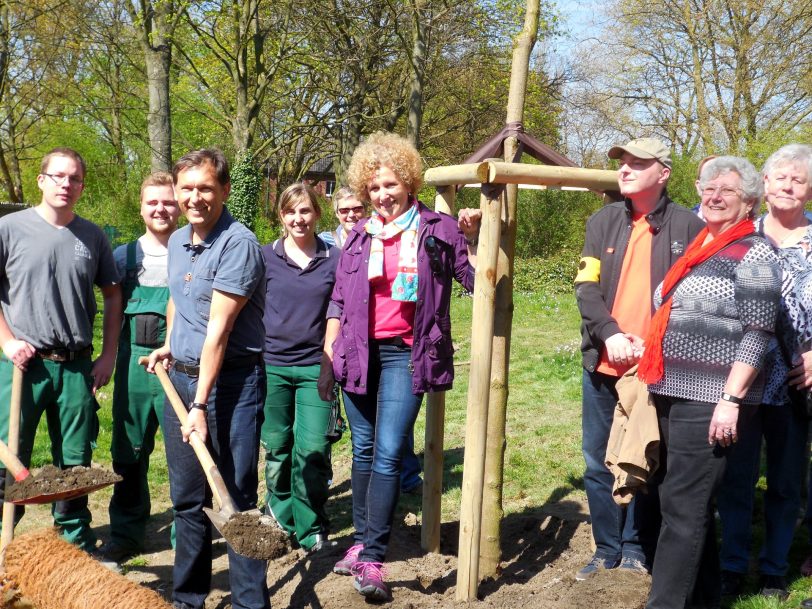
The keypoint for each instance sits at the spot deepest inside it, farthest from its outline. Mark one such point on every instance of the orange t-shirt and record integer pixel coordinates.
(632, 306)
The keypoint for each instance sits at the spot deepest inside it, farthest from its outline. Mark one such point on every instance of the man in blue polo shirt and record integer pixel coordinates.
(214, 341)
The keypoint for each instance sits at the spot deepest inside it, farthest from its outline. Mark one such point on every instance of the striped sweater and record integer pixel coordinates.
(723, 311)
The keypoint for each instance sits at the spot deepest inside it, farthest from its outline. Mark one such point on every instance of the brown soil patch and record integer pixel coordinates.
(542, 548)
(254, 536)
(50, 480)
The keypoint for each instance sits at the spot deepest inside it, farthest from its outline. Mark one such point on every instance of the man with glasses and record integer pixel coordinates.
(629, 247)
(50, 261)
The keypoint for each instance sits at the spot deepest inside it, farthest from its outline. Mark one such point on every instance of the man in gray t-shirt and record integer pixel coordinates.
(50, 259)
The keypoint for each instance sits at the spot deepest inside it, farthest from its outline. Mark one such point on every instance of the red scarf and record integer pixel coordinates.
(651, 368)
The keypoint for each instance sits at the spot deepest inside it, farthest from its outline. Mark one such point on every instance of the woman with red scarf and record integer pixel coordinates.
(717, 308)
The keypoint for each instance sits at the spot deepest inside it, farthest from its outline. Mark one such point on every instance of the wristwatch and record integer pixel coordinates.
(199, 406)
(732, 399)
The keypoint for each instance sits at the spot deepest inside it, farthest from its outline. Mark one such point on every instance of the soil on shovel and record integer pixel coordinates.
(51, 480)
(251, 536)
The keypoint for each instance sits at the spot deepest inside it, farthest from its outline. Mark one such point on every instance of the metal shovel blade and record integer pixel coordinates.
(61, 495)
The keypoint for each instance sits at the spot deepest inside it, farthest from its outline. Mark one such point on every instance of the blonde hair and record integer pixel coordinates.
(157, 178)
(343, 193)
(295, 194)
(389, 150)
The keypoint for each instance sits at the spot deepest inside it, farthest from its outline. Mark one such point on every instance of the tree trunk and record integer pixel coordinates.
(418, 62)
(489, 548)
(159, 122)
(158, 21)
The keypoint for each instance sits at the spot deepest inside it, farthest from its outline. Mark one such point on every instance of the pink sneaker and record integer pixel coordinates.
(369, 581)
(345, 565)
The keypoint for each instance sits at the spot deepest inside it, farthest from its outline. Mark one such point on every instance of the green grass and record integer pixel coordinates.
(543, 462)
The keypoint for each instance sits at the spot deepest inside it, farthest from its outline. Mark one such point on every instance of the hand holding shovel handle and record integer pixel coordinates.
(218, 486)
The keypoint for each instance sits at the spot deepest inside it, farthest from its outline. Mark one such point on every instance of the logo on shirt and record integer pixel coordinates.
(678, 247)
(80, 250)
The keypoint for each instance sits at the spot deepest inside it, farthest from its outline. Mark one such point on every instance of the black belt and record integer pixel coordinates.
(65, 355)
(230, 364)
(397, 341)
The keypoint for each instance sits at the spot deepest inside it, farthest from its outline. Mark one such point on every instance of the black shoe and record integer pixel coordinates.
(775, 586)
(732, 583)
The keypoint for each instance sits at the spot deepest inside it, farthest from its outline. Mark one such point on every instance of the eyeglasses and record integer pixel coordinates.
(59, 179)
(358, 210)
(726, 192)
(433, 250)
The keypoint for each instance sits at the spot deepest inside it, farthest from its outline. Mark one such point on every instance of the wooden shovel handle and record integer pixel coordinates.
(9, 458)
(216, 482)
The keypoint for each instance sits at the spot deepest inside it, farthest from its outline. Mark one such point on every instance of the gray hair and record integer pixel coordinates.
(345, 192)
(752, 184)
(800, 154)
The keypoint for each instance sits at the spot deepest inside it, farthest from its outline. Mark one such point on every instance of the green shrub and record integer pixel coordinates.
(552, 275)
(246, 186)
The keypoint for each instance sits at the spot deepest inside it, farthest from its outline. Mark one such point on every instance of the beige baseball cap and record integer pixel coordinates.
(644, 148)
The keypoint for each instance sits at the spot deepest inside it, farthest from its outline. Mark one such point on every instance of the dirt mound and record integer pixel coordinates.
(541, 554)
(255, 536)
(51, 480)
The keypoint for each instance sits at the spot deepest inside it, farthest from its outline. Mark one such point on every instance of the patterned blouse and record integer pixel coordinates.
(723, 311)
(794, 326)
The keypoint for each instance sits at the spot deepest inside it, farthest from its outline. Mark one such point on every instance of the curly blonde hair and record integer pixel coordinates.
(384, 149)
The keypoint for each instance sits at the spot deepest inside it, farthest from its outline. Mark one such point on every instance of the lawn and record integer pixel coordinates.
(543, 462)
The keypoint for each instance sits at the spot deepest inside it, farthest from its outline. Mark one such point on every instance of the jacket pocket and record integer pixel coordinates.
(339, 359)
(439, 357)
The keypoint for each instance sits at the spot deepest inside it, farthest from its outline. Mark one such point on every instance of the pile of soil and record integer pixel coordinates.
(255, 536)
(51, 480)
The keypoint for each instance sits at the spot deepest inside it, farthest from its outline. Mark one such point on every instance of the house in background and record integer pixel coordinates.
(321, 176)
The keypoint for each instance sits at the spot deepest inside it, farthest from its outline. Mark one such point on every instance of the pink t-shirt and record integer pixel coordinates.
(390, 318)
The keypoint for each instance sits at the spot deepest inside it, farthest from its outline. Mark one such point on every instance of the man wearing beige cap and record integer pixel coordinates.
(629, 247)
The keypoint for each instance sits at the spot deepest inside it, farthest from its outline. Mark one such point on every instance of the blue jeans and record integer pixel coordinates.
(785, 438)
(410, 468)
(686, 567)
(618, 532)
(381, 421)
(234, 419)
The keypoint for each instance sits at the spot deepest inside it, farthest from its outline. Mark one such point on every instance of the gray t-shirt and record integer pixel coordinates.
(151, 266)
(47, 276)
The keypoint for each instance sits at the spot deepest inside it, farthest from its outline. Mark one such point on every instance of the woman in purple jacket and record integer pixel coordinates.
(388, 337)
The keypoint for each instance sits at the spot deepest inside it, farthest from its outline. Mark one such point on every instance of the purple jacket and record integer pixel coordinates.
(432, 352)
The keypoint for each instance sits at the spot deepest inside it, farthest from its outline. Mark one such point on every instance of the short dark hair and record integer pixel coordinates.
(204, 156)
(66, 152)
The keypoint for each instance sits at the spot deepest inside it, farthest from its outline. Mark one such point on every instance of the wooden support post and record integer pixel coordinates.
(476, 423)
(490, 548)
(548, 175)
(472, 173)
(435, 430)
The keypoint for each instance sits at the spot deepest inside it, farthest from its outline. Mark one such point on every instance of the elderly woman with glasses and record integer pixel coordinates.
(781, 419)
(349, 210)
(717, 309)
(388, 337)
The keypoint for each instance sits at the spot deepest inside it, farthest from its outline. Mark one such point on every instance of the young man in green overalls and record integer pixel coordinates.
(138, 399)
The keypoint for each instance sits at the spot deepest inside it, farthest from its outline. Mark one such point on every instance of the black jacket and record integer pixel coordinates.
(607, 236)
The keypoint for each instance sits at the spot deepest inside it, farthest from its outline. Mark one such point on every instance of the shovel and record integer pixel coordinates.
(20, 472)
(227, 509)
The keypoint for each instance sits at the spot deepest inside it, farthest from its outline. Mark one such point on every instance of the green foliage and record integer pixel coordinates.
(246, 186)
(549, 222)
(552, 275)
